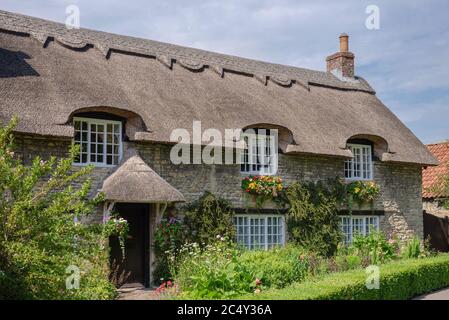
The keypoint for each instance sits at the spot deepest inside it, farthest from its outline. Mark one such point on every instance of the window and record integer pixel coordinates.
(100, 141)
(259, 231)
(360, 167)
(362, 225)
(260, 153)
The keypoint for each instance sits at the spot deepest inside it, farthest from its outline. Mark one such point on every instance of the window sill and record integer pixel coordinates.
(96, 165)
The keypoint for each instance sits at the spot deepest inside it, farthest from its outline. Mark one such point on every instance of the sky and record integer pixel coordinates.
(405, 59)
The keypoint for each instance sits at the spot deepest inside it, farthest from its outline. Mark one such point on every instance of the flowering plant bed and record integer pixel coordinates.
(262, 188)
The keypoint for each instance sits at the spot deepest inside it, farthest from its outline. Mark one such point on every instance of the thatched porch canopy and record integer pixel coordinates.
(135, 181)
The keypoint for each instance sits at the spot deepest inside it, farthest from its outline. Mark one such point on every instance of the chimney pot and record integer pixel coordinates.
(344, 45)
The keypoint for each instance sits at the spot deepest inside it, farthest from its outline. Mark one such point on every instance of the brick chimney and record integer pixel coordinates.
(341, 64)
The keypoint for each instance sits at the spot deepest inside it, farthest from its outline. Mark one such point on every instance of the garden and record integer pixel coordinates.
(199, 259)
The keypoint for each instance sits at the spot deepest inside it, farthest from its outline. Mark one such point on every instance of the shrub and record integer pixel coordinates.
(207, 217)
(168, 238)
(312, 217)
(39, 232)
(402, 279)
(277, 267)
(375, 247)
(211, 271)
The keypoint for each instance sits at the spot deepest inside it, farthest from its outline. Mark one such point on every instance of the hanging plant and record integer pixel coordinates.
(116, 226)
(262, 187)
(362, 192)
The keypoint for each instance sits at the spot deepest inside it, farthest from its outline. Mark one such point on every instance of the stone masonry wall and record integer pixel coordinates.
(400, 184)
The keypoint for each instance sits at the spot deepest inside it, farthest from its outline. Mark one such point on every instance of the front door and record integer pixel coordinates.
(133, 268)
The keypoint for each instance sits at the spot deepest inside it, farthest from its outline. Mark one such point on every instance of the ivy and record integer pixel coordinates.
(312, 215)
(208, 217)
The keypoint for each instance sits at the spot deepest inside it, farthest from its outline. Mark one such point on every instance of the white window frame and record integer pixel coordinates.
(365, 226)
(103, 122)
(256, 149)
(248, 244)
(364, 153)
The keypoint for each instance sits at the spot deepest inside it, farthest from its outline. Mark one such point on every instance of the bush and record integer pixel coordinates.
(374, 247)
(208, 217)
(402, 279)
(312, 217)
(168, 238)
(40, 236)
(220, 270)
(210, 272)
(412, 249)
(277, 267)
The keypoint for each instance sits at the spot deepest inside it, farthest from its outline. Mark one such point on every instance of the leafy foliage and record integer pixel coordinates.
(168, 238)
(221, 270)
(312, 217)
(40, 236)
(276, 268)
(211, 271)
(399, 280)
(208, 217)
(375, 247)
(362, 192)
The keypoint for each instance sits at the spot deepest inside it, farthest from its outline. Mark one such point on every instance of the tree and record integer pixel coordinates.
(45, 252)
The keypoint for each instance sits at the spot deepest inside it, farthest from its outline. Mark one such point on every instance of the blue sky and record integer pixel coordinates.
(406, 60)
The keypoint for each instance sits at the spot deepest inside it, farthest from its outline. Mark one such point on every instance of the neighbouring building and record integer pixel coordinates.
(433, 193)
(120, 98)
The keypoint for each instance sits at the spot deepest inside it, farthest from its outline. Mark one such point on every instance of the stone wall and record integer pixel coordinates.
(435, 207)
(400, 184)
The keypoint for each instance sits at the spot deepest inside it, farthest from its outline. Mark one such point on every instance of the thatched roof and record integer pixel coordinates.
(135, 181)
(49, 72)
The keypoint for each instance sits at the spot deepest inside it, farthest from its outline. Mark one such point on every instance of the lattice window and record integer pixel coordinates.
(100, 141)
(362, 225)
(360, 167)
(260, 153)
(259, 231)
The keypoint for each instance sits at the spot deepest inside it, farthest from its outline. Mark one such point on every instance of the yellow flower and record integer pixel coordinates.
(357, 190)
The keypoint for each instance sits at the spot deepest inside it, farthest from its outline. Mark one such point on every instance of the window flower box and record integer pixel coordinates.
(261, 191)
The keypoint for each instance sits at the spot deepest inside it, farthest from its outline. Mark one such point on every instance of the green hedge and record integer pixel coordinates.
(403, 279)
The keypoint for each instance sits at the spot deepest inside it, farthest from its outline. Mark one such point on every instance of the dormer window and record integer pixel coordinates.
(100, 141)
(260, 154)
(360, 167)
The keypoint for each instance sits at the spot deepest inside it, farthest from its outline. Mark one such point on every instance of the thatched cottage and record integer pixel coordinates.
(121, 97)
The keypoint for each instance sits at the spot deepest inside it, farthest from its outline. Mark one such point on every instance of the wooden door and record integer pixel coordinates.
(134, 266)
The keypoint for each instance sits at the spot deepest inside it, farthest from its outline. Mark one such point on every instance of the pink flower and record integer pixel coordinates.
(258, 282)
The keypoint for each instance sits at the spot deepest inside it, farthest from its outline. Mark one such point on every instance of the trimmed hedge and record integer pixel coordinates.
(403, 279)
